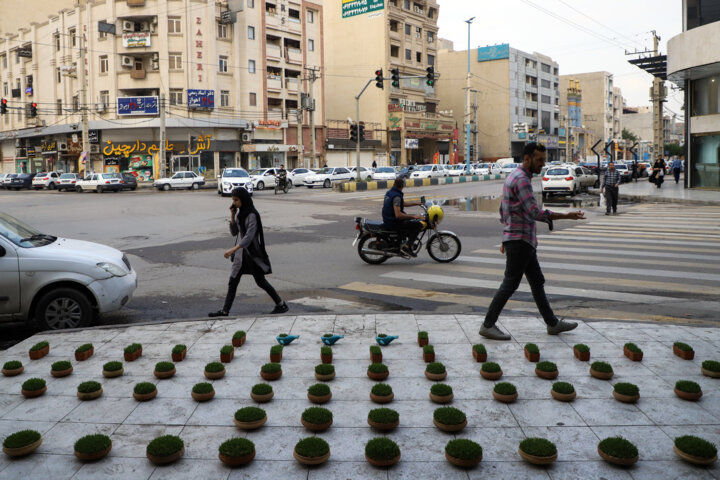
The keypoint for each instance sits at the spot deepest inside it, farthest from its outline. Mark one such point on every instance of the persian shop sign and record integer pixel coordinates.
(351, 8)
(493, 52)
(137, 106)
(200, 98)
(136, 39)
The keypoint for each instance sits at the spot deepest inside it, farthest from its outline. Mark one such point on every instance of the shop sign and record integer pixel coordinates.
(48, 147)
(412, 143)
(94, 136)
(352, 8)
(202, 143)
(394, 107)
(411, 107)
(550, 141)
(136, 39)
(264, 147)
(137, 106)
(29, 91)
(138, 147)
(272, 124)
(199, 46)
(395, 120)
(200, 98)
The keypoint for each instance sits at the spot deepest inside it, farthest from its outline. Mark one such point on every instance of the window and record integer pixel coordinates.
(408, 29)
(4, 61)
(105, 97)
(545, 99)
(104, 65)
(394, 25)
(430, 37)
(58, 107)
(251, 3)
(251, 66)
(175, 61)
(394, 51)
(408, 54)
(73, 39)
(102, 35)
(545, 83)
(431, 13)
(545, 68)
(174, 25)
(59, 75)
(222, 30)
(311, 45)
(431, 60)
(418, 57)
(251, 33)
(57, 42)
(224, 98)
(253, 100)
(176, 95)
(223, 64)
(310, 15)
(406, 4)
(418, 33)
(705, 96)
(5, 89)
(76, 103)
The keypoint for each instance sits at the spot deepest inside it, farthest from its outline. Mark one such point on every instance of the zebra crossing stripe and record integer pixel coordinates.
(641, 234)
(634, 249)
(630, 240)
(650, 226)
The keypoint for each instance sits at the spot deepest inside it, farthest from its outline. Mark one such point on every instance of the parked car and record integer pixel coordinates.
(364, 172)
(298, 175)
(59, 282)
(183, 179)
(445, 169)
(458, 170)
(566, 179)
(4, 177)
(99, 182)
(644, 169)
(266, 178)
(45, 180)
(405, 172)
(427, 171)
(67, 181)
(232, 178)
(484, 169)
(509, 167)
(624, 171)
(129, 182)
(384, 173)
(327, 176)
(20, 181)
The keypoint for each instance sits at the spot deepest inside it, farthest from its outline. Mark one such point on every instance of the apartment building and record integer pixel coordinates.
(404, 123)
(639, 121)
(514, 99)
(225, 78)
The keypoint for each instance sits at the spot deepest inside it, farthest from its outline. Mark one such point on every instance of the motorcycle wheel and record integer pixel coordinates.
(276, 189)
(368, 258)
(444, 247)
(285, 190)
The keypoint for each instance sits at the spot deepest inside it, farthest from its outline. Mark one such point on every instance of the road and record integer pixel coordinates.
(650, 263)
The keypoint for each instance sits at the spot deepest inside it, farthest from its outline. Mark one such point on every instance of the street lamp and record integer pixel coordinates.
(467, 103)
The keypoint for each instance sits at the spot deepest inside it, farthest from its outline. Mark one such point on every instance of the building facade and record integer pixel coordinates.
(225, 79)
(639, 121)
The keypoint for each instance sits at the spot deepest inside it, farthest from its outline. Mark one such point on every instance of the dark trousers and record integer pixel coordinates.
(611, 198)
(521, 259)
(259, 280)
(676, 174)
(411, 228)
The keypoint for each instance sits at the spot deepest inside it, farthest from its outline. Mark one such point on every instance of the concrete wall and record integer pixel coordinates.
(699, 46)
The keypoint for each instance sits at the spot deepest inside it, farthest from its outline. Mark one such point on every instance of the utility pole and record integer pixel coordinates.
(567, 140)
(311, 107)
(467, 102)
(658, 97)
(301, 147)
(83, 99)
(476, 150)
(161, 151)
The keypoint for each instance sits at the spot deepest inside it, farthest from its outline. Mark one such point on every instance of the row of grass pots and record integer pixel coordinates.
(375, 354)
(505, 392)
(601, 370)
(311, 451)
(214, 371)
(317, 419)
(227, 352)
(326, 354)
(683, 350)
(202, 392)
(61, 368)
(319, 393)
(479, 353)
(378, 371)
(626, 392)
(435, 371)
(688, 390)
(39, 350)
(89, 390)
(490, 371)
(441, 393)
(33, 387)
(563, 391)
(276, 353)
(581, 352)
(449, 419)
(381, 393)
(546, 370)
(83, 352)
(383, 419)
(463, 452)
(144, 391)
(250, 418)
(12, 368)
(262, 392)
(132, 352)
(382, 452)
(164, 370)
(178, 352)
(422, 338)
(112, 369)
(325, 372)
(710, 368)
(238, 338)
(236, 452)
(165, 449)
(428, 353)
(271, 371)
(538, 451)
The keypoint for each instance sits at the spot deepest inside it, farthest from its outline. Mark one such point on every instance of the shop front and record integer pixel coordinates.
(267, 155)
(423, 138)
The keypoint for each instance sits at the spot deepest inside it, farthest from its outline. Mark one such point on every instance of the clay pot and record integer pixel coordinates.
(316, 427)
(537, 460)
(61, 373)
(462, 462)
(383, 463)
(441, 399)
(311, 460)
(179, 357)
(319, 399)
(693, 459)
(326, 358)
(13, 372)
(227, 358)
(423, 341)
(491, 375)
(325, 378)
(601, 375)
(376, 358)
(450, 428)
(383, 427)
(91, 457)
(202, 397)
(625, 398)
(532, 357)
(429, 357)
(692, 397)
(710, 373)
(82, 356)
(214, 375)
(275, 357)
(144, 397)
(382, 399)
(22, 451)
(131, 357)
(262, 398)
(239, 342)
(618, 461)
(270, 376)
(90, 395)
(634, 356)
(251, 425)
(504, 398)
(162, 375)
(563, 397)
(685, 355)
(435, 376)
(377, 376)
(546, 375)
(33, 393)
(113, 374)
(237, 461)
(479, 357)
(37, 354)
(166, 459)
(582, 356)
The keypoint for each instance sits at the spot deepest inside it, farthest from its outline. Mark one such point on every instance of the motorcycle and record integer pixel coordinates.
(282, 184)
(376, 244)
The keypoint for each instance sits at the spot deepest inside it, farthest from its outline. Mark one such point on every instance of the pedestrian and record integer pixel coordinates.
(248, 256)
(374, 164)
(635, 173)
(676, 167)
(518, 212)
(658, 173)
(611, 184)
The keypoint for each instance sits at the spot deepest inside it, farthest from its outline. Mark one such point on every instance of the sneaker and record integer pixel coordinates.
(282, 308)
(607, 213)
(219, 313)
(493, 333)
(561, 326)
(615, 213)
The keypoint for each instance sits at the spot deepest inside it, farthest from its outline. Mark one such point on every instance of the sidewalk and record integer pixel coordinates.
(576, 427)
(670, 192)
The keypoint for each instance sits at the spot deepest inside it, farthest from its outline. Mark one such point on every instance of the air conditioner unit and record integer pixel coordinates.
(126, 61)
(247, 137)
(94, 148)
(155, 66)
(145, 26)
(62, 146)
(155, 57)
(18, 143)
(154, 20)
(128, 26)
(100, 107)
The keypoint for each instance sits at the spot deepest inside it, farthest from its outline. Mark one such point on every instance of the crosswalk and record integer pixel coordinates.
(652, 263)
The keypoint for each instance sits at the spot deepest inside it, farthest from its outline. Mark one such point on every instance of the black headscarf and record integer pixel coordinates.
(246, 209)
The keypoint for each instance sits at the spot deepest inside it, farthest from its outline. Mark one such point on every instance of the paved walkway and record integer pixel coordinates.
(575, 427)
(669, 192)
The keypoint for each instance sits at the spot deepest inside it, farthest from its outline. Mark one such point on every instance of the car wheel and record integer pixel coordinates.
(51, 186)
(166, 187)
(261, 185)
(99, 189)
(575, 190)
(326, 183)
(133, 189)
(195, 186)
(310, 186)
(78, 189)
(63, 308)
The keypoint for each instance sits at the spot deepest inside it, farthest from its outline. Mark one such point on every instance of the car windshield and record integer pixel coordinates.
(111, 175)
(558, 171)
(385, 170)
(235, 172)
(621, 167)
(326, 171)
(258, 171)
(425, 168)
(40, 174)
(511, 165)
(67, 175)
(21, 234)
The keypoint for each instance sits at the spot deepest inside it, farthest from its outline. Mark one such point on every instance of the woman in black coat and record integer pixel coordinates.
(248, 255)
(658, 174)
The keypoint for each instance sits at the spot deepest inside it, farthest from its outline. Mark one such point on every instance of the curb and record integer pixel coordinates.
(352, 186)
(654, 199)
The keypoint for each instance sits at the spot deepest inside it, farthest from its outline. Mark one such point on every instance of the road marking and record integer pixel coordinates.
(651, 227)
(637, 248)
(630, 240)
(641, 234)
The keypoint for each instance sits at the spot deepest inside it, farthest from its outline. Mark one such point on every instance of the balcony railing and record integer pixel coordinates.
(293, 55)
(137, 74)
(272, 50)
(291, 84)
(274, 82)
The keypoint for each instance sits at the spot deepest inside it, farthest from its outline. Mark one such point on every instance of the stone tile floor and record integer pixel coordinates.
(575, 427)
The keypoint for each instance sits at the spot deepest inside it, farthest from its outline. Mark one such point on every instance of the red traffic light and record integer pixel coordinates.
(378, 72)
(34, 105)
(4, 101)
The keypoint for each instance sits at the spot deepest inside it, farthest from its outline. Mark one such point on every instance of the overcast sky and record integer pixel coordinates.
(588, 36)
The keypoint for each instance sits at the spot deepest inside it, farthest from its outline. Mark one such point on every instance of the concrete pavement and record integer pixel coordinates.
(644, 191)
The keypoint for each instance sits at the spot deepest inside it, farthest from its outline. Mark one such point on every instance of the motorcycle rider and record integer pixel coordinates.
(395, 218)
(281, 176)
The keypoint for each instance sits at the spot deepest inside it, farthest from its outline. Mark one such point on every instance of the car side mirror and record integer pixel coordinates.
(2, 251)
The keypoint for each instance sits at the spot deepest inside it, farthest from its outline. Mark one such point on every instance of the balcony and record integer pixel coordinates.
(137, 74)
(128, 81)
(291, 84)
(273, 51)
(275, 114)
(274, 82)
(293, 55)
(294, 24)
(272, 19)
(135, 3)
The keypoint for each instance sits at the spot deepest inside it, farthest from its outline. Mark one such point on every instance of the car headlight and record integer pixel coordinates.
(112, 269)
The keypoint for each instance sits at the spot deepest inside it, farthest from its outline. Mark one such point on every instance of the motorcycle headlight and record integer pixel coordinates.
(112, 269)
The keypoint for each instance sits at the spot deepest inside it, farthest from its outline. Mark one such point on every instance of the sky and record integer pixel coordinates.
(581, 35)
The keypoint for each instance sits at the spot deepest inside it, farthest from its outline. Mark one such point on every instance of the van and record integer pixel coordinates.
(504, 161)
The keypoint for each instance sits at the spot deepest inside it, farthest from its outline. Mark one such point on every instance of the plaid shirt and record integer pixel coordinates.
(519, 210)
(611, 178)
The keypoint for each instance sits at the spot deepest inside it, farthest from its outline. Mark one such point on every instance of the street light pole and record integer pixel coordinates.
(467, 103)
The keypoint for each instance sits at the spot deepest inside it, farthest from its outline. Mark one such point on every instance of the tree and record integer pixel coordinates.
(628, 135)
(674, 149)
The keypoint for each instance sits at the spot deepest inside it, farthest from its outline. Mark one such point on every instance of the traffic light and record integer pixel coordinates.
(3, 106)
(430, 76)
(362, 132)
(395, 77)
(33, 109)
(379, 79)
(354, 133)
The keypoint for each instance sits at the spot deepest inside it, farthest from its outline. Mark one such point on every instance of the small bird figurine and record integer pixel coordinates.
(383, 339)
(330, 339)
(285, 339)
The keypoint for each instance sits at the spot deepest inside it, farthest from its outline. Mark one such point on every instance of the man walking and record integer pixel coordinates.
(610, 184)
(518, 212)
(676, 167)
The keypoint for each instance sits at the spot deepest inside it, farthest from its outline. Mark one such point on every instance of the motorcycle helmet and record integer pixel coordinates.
(435, 214)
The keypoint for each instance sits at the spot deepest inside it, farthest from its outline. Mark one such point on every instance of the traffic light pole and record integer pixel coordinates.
(84, 115)
(357, 125)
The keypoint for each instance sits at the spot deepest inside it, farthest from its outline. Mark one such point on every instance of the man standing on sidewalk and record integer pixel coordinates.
(518, 212)
(676, 167)
(611, 184)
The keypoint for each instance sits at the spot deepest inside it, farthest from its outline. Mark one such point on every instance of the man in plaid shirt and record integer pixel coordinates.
(611, 183)
(518, 212)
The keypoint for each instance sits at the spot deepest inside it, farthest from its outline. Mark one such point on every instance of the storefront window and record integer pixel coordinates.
(226, 160)
(705, 161)
(705, 96)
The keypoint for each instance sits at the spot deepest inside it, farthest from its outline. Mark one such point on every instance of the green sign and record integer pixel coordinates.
(351, 8)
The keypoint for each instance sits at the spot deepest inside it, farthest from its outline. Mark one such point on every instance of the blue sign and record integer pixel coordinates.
(137, 105)
(494, 52)
(200, 98)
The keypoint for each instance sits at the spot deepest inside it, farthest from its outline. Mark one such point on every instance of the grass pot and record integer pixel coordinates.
(435, 376)
(22, 451)
(582, 356)
(479, 357)
(13, 372)
(91, 457)
(113, 374)
(316, 427)
(693, 459)
(179, 357)
(131, 357)
(383, 463)
(504, 398)
(463, 462)
(626, 398)
(202, 397)
(239, 342)
(262, 398)
(532, 357)
(563, 397)
(325, 378)
(546, 375)
(624, 462)
(33, 393)
(634, 356)
(91, 395)
(450, 428)
(383, 427)
(319, 399)
(376, 358)
(491, 375)
(537, 460)
(227, 358)
(237, 461)
(423, 341)
(601, 375)
(428, 357)
(685, 355)
(163, 375)
(311, 460)
(271, 376)
(441, 399)
(82, 356)
(377, 376)
(144, 397)
(709, 373)
(214, 375)
(251, 425)
(61, 373)
(382, 399)
(38, 354)
(164, 460)
(275, 357)
(691, 397)
(326, 358)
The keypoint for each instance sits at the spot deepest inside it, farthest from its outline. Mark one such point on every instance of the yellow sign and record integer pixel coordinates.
(127, 149)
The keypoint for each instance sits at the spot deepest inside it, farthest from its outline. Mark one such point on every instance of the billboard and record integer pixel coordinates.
(493, 52)
(351, 8)
(200, 98)
(137, 106)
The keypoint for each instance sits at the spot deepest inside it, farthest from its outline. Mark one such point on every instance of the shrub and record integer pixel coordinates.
(532, 348)
(132, 348)
(178, 349)
(250, 414)
(283, 335)
(711, 365)
(238, 334)
(423, 335)
(377, 368)
(449, 416)
(626, 389)
(214, 367)
(202, 388)
(112, 366)
(383, 415)
(633, 348)
(435, 367)
(441, 390)
(479, 348)
(22, 438)
(33, 384)
(92, 444)
(602, 367)
(582, 348)
(696, 446)
(84, 348)
(683, 346)
(538, 447)
(324, 369)
(39, 346)
(382, 335)
(428, 349)
(236, 447)
(687, 386)
(618, 447)
(261, 389)
(60, 366)
(165, 446)
(143, 388)
(381, 390)
(505, 388)
(317, 415)
(375, 350)
(563, 387)
(89, 387)
(312, 447)
(325, 350)
(164, 366)
(12, 365)
(276, 350)
(319, 389)
(490, 367)
(271, 368)
(226, 350)
(463, 449)
(546, 367)
(381, 449)
(328, 335)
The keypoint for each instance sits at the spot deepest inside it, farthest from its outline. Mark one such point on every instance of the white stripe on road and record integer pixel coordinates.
(630, 253)
(639, 233)
(558, 236)
(656, 226)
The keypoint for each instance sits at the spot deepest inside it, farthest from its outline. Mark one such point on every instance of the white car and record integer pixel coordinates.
(48, 180)
(427, 171)
(508, 168)
(263, 178)
(61, 283)
(100, 182)
(68, 181)
(231, 178)
(298, 176)
(458, 170)
(565, 179)
(384, 173)
(327, 176)
(483, 169)
(184, 179)
(364, 172)
(5, 176)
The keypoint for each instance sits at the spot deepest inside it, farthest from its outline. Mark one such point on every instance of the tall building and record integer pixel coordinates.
(404, 123)
(572, 138)
(514, 99)
(231, 75)
(693, 63)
